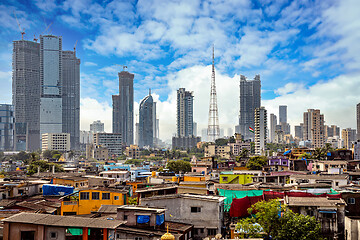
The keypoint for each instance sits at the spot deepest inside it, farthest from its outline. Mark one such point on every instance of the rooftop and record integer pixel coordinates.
(211, 198)
(322, 176)
(314, 201)
(141, 209)
(62, 221)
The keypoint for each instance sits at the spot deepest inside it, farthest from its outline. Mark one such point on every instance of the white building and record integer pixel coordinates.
(56, 141)
(260, 130)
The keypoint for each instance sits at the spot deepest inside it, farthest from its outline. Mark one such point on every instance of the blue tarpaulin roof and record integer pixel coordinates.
(52, 189)
(287, 152)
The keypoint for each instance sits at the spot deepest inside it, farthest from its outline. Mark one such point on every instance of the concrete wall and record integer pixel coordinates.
(352, 228)
(210, 217)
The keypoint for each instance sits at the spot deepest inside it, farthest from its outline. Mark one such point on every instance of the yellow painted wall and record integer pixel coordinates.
(69, 182)
(91, 205)
(193, 179)
(235, 178)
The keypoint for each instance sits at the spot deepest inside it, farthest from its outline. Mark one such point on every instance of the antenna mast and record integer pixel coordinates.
(213, 131)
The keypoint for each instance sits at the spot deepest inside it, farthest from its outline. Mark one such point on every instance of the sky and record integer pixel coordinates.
(306, 52)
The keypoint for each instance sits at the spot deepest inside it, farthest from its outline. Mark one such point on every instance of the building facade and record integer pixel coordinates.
(71, 97)
(260, 130)
(146, 118)
(314, 127)
(97, 126)
(6, 127)
(273, 123)
(184, 114)
(299, 131)
(358, 120)
(56, 141)
(51, 84)
(282, 114)
(123, 108)
(112, 141)
(250, 99)
(26, 94)
(348, 135)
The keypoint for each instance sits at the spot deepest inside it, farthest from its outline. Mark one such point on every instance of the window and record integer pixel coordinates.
(336, 183)
(125, 217)
(106, 196)
(116, 197)
(225, 179)
(212, 232)
(195, 209)
(84, 196)
(138, 238)
(53, 235)
(195, 231)
(95, 196)
(351, 200)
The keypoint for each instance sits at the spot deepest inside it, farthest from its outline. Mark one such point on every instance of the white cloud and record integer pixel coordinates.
(92, 110)
(336, 99)
(90, 64)
(289, 88)
(5, 90)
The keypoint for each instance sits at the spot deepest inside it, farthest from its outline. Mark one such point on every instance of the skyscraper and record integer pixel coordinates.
(348, 135)
(282, 114)
(6, 127)
(358, 120)
(184, 113)
(250, 99)
(26, 94)
(314, 127)
(273, 123)
(71, 97)
(146, 118)
(299, 131)
(123, 108)
(97, 126)
(260, 130)
(51, 84)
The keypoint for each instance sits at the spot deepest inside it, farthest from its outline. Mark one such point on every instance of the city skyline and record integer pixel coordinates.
(312, 76)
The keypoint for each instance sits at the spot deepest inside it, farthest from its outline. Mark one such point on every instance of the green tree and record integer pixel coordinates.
(132, 201)
(221, 141)
(57, 156)
(44, 166)
(244, 153)
(256, 163)
(136, 162)
(288, 225)
(179, 166)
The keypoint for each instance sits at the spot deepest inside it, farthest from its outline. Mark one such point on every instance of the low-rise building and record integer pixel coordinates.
(278, 163)
(335, 180)
(329, 212)
(185, 142)
(56, 141)
(119, 176)
(75, 181)
(333, 167)
(89, 200)
(205, 212)
(132, 152)
(45, 226)
(213, 150)
(238, 177)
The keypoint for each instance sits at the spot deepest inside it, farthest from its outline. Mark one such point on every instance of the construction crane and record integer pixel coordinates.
(22, 31)
(124, 67)
(75, 46)
(35, 39)
(46, 28)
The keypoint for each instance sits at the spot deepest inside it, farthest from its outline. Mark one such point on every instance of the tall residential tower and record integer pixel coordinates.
(250, 99)
(26, 94)
(184, 115)
(123, 108)
(146, 122)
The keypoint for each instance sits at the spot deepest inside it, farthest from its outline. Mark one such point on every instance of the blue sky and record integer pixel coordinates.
(307, 53)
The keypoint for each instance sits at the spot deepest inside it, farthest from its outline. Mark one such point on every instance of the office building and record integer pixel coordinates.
(56, 141)
(26, 94)
(250, 99)
(86, 137)
(71, 97)
(273, 123)
(51, 84)
(299, 131)
(260, 130)
(111, 141)
(97, 126)
(314, 129)
(146, 118)
(123, 108)
(185, 142)
(348, 135)
(184, 113)
(6, 127)
(358, 120)
(332, 131)
(195, 129)
(282, 114)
